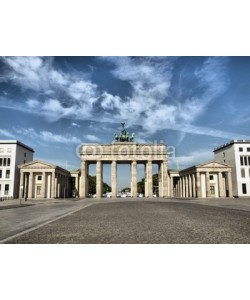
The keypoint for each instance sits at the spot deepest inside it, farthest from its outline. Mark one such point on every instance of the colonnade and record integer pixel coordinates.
(163, 177)
(52, 185)
(189, 185)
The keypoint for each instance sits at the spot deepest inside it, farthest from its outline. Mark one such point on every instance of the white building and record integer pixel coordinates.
(211, 179)
(12, 153)
(237, 154)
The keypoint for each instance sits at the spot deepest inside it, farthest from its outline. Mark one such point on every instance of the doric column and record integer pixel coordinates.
(220, 185)
(229, 184)
(53, 184)
(208, 194)
(84, 179)
(149, 179)
(160, 189)
(21, 185)
(30, 192)
(44, 184)
(186, 184)
(198, 184)
(25, 195)
(165, 179)
(146, 180)
(182, 187)
(56, 185)
(134, 179)
(190, 185)
(114, 178)
(98, 179)
(171, 186)
(193, 187)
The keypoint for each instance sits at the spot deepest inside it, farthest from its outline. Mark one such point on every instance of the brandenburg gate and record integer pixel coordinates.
(125, 150)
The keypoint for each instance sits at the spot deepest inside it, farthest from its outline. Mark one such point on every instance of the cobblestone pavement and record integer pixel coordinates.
(144, 222)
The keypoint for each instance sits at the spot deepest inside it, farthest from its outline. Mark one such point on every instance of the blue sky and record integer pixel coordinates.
(191, 103)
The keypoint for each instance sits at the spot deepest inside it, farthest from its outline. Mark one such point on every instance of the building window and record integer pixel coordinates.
(24, 161)
(241, 149)
(244, 188)
(39, 177)
(212, 191)
(223, 154)
(243, 175)
(7, 174)
(2, 171)
(8, 162)
(211, 177)
(1, 161)
(224, 161)
(24, 154)
(6, 189)
(248, 149)
(4, 162)
(39, 190)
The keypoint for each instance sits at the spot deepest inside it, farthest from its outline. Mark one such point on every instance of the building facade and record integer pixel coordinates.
(236, 153)
(12, 153)
(208, 180)
(39, 179)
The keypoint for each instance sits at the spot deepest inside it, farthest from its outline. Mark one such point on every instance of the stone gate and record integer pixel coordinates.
(129, 152)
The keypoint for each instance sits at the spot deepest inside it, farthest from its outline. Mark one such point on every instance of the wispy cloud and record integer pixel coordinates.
(47, 136)
(191, 159)
(7, 133)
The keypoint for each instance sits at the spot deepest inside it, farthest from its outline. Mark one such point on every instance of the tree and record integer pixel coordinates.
(92, 185)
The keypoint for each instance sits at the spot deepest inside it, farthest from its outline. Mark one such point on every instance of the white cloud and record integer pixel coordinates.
(6, 133)
(149, 103)
(75, 125)
(91, 138)
(48, 136)
(191, 159)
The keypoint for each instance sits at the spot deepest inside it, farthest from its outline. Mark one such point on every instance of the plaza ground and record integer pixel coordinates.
(126, 221)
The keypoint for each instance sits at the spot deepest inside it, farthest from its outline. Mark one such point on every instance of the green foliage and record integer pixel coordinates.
(92, 185)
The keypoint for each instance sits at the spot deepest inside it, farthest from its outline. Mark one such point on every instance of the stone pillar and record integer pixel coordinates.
(98, 179)
(21, 189)
(52, 195)
(171, 186)
(193, 187)
(190, 193)
(134, 179)
(220, 185)
(198, 184)
(114, 178)
(208, 194)
(146, 180)
(181, 187)
(160, 190)
(56, 185)
(229, 184)
(84, 179)
(165, 179)
(187, 186)
(149, 179)
(44, 184)
(25, 185)
(30, 192)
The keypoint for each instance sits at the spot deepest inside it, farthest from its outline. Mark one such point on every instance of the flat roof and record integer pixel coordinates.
(5, 142)
(231, 143)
